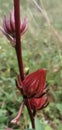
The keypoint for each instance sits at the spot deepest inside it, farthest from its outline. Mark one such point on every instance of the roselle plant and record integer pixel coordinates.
(32, 86)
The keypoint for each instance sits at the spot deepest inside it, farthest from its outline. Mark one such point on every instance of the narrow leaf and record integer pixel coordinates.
(38, 125)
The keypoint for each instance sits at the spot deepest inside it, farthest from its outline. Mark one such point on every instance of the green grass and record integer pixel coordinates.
(40, 49)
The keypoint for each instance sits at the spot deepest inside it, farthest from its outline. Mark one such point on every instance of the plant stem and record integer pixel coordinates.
(16, 119)
(19, 51)
(30, 113)
(18, 37)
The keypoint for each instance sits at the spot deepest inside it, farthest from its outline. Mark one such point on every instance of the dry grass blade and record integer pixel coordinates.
(54, 32)
(45, 15)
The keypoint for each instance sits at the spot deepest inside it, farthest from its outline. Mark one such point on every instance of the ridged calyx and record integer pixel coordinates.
(34, 88)
(38, 103)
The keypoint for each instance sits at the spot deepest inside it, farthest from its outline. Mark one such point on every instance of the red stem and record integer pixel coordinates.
(19, 51)
(18, 37)
(30, 113)
(16, 119)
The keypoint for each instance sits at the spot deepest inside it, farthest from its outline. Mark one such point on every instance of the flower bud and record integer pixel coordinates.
(9, 28)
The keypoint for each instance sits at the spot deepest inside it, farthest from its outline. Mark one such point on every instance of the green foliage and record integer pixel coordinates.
(59, 107)
(40, 49)
(48, 127)
(28, 129)
(60, 127)
(39, 126)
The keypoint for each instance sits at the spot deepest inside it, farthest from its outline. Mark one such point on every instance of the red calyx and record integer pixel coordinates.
(34, 83)
(34, 88)
(38, 103)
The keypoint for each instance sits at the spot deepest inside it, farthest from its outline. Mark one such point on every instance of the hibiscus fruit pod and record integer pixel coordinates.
(34, 83)
(38, 103)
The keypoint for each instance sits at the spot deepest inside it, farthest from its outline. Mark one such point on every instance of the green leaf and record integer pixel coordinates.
(2, 112)
(3, 116)
(38, 125)
(59, 107)
(60, 127)
(48, 127)
(29, 129)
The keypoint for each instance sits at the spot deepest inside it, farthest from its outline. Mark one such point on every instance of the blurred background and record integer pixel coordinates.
(42, 47)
